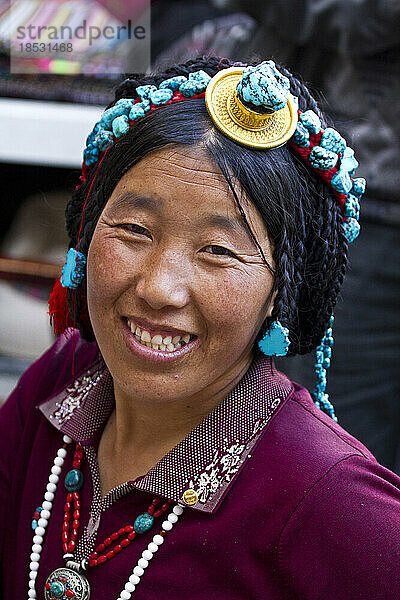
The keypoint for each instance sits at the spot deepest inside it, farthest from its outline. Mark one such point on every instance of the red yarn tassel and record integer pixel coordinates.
(60, 316)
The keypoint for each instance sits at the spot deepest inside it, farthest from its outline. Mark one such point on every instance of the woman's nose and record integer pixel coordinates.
(164, 281)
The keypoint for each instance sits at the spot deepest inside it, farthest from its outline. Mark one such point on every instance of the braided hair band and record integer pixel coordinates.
(252, 105)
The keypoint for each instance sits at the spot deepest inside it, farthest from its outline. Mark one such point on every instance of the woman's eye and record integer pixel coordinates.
(219, 250)
(133, 228)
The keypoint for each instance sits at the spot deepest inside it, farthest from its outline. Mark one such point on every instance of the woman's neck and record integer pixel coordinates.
(140, 432)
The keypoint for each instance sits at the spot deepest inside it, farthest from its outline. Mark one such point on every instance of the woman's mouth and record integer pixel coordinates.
(157, 346)
(166, 343)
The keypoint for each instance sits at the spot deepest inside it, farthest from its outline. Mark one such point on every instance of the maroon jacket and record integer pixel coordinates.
(291, 507)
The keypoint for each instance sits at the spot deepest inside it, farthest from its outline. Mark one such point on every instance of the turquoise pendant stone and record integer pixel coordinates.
(73, 480)
(143, 523)
(66, 584)
(57, 589)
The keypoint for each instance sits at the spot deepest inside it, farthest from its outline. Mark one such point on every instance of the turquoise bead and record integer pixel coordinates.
(189, 88)
(352, 207)
(275, 341)
(122, 107)
(34, 524)
(358, 187)
(144, 91)
(311, 121)
(103, 138)
(73, 480)
(143, 523)
(120, 125)
(56, 589)
(341, 181)
(323, 159)
(173, 83)
(301, 136)
(348, 162)
(332, 140)
(351, 229)
(136, 112)
(263, 85)
(161, 96)
(74, 269)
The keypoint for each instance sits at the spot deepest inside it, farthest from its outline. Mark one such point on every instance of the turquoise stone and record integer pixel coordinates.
(173, 83)
(34, 524)
(275, 341)
(263, 85)
(120, 125)
(56, 589)
(143, 523)
(73, 480)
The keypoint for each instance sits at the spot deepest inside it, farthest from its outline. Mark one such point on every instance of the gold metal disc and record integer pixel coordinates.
(245, 126)
(190, 497)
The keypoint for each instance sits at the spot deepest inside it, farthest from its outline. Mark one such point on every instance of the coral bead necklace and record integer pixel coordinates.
(70, 582)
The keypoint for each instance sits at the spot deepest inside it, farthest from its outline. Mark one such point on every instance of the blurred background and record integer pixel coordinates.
(50, 96)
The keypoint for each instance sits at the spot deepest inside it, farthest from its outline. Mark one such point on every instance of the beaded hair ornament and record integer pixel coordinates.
(254, 107)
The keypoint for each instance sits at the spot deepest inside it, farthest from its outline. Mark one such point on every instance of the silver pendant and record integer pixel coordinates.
(66, 584)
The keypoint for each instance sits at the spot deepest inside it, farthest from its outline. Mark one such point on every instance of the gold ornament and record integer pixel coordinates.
(246, 126)
(190, 497)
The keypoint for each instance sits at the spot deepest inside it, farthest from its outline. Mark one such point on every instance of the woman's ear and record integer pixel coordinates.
(270, 304)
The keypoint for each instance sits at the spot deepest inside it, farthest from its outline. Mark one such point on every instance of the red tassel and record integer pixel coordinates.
(60, 316)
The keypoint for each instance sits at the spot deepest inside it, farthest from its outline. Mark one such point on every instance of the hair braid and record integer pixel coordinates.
(285, 305)
(326, 249)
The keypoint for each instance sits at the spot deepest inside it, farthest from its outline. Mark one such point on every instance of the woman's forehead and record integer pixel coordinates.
(185, 166)
(184, 176)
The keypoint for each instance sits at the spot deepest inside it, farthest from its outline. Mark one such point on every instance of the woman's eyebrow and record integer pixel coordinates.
(131, 200)
(229, 223)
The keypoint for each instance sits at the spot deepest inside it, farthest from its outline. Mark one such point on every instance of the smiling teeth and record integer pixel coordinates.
(145, 337)
(157, 342)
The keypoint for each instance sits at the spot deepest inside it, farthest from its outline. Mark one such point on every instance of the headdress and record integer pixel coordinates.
(254, 107)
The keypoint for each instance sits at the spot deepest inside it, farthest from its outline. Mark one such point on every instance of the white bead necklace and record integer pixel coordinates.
(40, 530)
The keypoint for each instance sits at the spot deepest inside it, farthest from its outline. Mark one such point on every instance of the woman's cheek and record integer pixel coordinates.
(233, 300)
(109, 264)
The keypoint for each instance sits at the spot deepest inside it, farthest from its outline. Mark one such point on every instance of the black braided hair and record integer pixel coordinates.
(302, 216)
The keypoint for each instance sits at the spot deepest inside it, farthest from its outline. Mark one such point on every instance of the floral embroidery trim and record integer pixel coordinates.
(227, 461)
(77, 392)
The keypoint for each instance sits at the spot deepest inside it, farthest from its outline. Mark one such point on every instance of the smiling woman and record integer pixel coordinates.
(179, 269)
(209, 234)
(183, 256)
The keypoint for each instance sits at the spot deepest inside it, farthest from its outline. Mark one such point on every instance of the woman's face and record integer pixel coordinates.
(172, 256)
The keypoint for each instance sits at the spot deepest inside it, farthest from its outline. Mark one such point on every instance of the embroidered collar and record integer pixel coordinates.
(209, 458)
